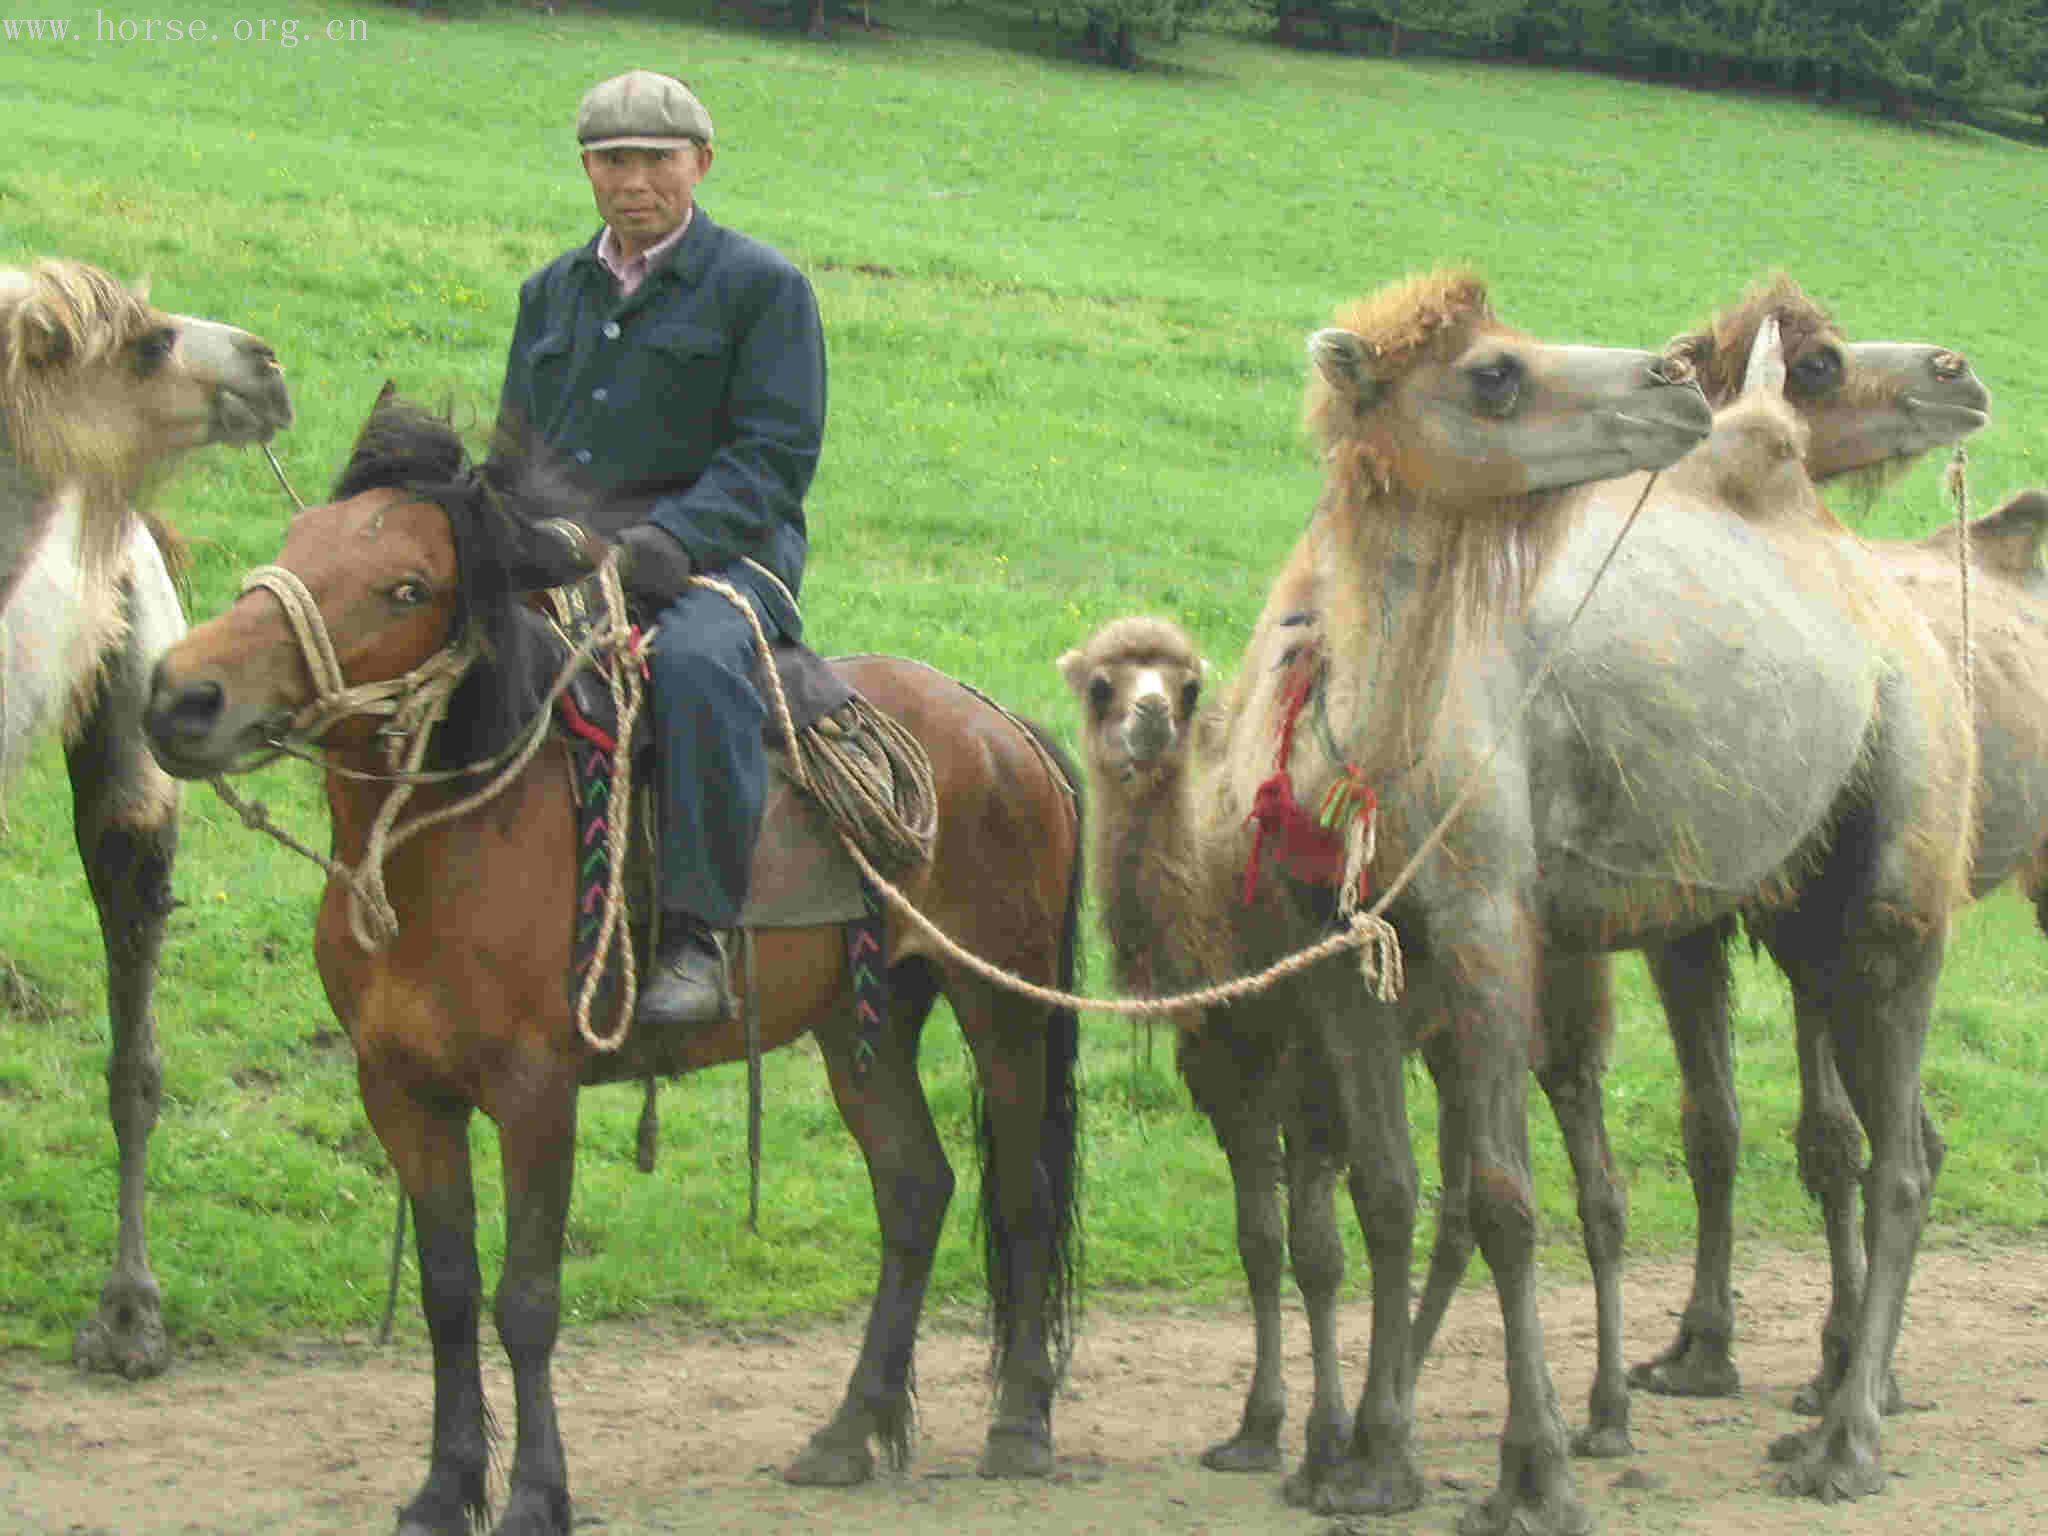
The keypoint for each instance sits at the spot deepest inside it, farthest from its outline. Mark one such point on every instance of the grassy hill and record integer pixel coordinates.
(1065, 312)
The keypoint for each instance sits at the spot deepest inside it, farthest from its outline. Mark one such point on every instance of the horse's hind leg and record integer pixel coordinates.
(126, 823)
(429, 1146)
(1026, 1055)
(884, 1107)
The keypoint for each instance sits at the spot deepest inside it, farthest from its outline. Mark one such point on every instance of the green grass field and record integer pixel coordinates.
(1065, 311)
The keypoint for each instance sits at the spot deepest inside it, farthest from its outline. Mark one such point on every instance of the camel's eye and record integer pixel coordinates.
(1496, 385)
(1190, 695)
(410, 593)
(1816, 370)
(1100, 694)
(152, 348)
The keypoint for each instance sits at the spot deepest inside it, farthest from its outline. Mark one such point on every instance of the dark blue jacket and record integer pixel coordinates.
(697, 403)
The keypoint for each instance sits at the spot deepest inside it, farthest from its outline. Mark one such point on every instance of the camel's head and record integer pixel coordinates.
(1139, 681)
(1421, 389)
(1866, 404)
(97, 383)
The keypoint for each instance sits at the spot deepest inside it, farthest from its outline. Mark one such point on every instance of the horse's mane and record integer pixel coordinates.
(405, 447)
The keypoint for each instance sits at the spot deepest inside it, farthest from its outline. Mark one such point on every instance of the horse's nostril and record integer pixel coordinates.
(1950, 365)
(189, 712)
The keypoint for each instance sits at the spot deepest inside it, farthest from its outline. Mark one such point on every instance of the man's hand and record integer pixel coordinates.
(654, 568)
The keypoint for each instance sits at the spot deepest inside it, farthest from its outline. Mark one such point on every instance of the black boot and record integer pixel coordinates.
(686, 984)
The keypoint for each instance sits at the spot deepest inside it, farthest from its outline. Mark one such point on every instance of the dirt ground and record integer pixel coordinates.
(671, 1429)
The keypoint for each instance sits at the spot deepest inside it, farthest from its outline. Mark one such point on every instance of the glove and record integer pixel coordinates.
(654, 568)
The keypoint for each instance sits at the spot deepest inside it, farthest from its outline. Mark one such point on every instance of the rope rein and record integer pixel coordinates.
(373, 922)
(1956, 478)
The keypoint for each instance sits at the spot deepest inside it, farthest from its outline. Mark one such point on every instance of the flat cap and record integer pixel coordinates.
(640, 110)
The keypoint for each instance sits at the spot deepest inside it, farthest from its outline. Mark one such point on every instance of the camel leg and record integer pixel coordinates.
(1491, 1021)
(429, 1146)
(1692, 974)
(537, 1148)
(125, 818)
(1362, 1056)
(1578, 1025)
(885, 1109)
(1878, 1027)
(1451, 1253)
(1251, 1144)
(1317, 1252)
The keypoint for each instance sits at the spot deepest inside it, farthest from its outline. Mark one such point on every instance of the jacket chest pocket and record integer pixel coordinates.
(688, 364)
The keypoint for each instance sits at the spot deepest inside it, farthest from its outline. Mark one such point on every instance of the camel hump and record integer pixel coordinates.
(2007, 541)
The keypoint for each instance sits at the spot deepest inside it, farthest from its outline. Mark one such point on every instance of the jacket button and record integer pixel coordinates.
(582, 455)
(611, 330)
(600, 394)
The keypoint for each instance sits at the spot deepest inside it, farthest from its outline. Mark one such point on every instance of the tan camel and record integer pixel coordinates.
(1624, 807)
(99, 394)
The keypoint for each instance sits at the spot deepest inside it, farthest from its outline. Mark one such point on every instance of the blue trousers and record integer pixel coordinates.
(711, 763)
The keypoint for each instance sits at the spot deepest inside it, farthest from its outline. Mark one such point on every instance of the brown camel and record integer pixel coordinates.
(100, 393)
(1620, 809)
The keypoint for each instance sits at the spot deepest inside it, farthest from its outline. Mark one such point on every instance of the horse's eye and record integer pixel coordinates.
(410, 593)
(151, 349)
(1495, 385)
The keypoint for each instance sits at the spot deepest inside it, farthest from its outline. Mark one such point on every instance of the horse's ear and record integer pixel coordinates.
(536, 553)
(385, 396)
(36, 335)
(1345, 362)
(1766, 372)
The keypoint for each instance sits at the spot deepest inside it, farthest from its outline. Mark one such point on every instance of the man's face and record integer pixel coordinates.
(645, 193)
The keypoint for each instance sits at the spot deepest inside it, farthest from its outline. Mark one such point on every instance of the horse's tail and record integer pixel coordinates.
(1059, 1148)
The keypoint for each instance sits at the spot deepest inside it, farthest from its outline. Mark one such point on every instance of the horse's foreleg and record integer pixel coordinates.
(537, 1146)
(126, 823)
(429, 1146)
(1691, 974)
(1578, 1025)
(884, 1107)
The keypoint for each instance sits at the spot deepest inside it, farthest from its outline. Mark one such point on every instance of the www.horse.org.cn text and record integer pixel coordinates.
(275, 32)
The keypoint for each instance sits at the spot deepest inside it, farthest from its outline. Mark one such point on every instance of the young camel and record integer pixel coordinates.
(1739, 722)
(100, 393)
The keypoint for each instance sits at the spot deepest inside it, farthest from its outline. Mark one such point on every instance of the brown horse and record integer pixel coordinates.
(469, 1007)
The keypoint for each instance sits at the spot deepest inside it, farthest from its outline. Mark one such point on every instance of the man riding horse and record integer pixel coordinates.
(676, 368)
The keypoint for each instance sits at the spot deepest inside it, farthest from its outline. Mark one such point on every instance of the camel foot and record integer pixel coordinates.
(1823, 1465)
(1019, 1448)
(1381, 1482)
(1812, 1399)
(1536, 1497)
(1599, 1442)
(831, 1461)
(126, 1335)
(1694, 1366)
(1249, 1450)
(533, 1510)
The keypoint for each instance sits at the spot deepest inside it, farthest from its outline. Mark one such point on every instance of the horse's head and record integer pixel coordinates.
(419, 550)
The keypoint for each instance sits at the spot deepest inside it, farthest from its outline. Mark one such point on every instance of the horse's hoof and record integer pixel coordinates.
(1245, 1451)
(125, 1337)
(831, 1464)
(1688, 1369)
(1017, 1450)
(534, 1510)
(1596, 1443)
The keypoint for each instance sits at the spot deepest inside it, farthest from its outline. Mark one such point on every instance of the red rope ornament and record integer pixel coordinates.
(1311, 848)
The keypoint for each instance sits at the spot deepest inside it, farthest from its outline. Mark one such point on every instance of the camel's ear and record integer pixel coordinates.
(1346, 365)
(1074, 668)
(1695, 351)
(1766, 372)
(37, 335)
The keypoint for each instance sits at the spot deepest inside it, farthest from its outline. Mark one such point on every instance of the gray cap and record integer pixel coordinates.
(640, 110)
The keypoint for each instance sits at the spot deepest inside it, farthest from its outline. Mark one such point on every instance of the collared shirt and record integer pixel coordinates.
(632, 272)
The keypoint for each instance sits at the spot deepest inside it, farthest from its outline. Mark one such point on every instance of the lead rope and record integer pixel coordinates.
(1956, 479)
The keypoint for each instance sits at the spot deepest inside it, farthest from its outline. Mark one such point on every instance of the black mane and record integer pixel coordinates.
(490, 507)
